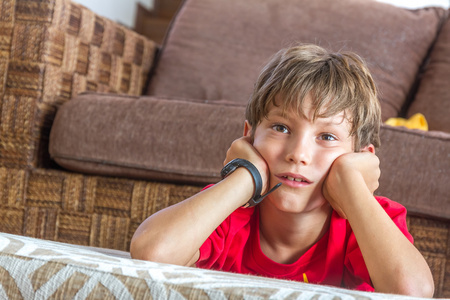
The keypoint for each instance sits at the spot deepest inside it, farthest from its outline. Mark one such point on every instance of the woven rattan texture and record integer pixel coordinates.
(50, 51)
(432, 238)
(84, 210)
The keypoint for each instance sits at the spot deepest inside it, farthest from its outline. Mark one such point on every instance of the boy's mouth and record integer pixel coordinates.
(296, 179)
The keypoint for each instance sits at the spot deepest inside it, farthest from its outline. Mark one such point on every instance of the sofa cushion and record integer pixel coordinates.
(433, 95)
(38, 269)
(186, 142)
(415, 168)
(216, 49)
(144, 137)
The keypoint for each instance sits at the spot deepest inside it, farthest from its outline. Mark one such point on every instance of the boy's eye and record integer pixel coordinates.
(328, 137)
(280, 128)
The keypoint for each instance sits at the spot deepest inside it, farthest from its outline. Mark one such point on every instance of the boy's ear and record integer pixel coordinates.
(247, 128)
(370, 148)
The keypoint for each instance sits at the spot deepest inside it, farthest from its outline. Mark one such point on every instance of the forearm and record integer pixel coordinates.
(394, 264)
(175, 234)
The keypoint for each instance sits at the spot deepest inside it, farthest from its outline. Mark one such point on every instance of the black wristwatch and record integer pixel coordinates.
(239, 162)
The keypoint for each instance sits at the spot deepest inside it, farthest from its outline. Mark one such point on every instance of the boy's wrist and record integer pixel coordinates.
(258, 184)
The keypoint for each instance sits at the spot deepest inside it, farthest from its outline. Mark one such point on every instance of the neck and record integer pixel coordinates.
(285, 237)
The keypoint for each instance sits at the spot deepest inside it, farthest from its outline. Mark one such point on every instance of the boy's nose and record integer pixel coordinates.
(300, 151)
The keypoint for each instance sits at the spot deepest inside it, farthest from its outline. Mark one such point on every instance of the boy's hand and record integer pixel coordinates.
(349, 173)
(243, 148)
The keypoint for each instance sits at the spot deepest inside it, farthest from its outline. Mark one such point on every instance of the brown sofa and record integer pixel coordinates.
(147, 126)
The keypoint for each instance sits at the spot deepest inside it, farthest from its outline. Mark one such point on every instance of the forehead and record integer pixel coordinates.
(307, 110)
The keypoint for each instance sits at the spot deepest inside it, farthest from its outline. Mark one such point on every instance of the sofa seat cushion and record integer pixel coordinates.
(415, 168)
(433, 95)
(145, 137)
(186, 142)
(216, 48)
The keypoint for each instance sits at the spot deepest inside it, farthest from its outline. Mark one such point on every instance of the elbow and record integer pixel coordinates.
(152, 251)
(418, 284)
(145, 251)
(427, 291)
(137, 250)
(422, 286)
(422, 289)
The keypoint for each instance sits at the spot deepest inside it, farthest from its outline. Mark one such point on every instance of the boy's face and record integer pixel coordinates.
(299, 153)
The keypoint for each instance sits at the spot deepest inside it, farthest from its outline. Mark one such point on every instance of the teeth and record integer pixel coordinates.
(294, 179)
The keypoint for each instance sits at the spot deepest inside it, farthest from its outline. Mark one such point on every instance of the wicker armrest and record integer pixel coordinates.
(50, 51)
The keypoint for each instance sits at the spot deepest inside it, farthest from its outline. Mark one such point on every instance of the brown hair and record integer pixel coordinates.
(336, 82)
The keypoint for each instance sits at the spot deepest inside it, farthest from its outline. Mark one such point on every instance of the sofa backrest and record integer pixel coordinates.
(216, 48)
(433, 94)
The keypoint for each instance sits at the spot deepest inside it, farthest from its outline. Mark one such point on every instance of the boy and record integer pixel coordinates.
(312, 126)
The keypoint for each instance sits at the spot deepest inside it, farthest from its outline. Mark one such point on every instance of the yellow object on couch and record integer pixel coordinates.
(416, 121)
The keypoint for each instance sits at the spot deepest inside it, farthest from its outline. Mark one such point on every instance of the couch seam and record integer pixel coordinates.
(422, 134)
(132, 166)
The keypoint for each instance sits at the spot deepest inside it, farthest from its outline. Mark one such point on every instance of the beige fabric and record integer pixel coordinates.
(216, 48)
(38, 269)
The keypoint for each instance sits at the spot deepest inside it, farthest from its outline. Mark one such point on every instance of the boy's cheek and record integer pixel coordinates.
(342, 158)
(334, 163)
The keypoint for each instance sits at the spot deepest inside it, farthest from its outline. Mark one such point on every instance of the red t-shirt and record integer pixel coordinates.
(334, 260)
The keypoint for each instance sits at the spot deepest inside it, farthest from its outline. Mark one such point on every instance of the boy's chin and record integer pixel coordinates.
(298, 205)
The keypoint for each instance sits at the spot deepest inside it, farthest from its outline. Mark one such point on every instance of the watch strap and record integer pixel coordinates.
(239, 162)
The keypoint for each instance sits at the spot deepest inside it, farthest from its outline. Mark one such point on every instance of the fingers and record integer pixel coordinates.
(345, 171)
(242, 148)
